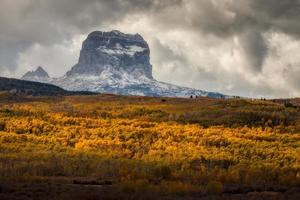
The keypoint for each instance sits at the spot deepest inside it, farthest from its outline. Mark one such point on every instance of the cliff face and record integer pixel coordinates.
(115, 51)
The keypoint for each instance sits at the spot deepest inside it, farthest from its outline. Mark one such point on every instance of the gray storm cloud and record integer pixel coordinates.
(228, 38)
(254, 48)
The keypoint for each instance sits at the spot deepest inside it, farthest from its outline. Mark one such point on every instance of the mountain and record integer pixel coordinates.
(114, 62)
(22, 87)
(103, 51)
(39, 73)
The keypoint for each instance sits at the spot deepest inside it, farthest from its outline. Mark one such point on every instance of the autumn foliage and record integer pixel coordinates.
(180, 145)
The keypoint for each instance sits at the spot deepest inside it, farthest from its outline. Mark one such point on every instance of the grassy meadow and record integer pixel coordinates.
(143, 147)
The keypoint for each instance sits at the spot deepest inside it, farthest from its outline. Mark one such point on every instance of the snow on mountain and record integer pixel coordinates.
(119, 50)
(114, 62)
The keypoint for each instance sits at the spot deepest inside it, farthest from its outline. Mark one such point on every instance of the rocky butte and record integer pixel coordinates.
(114, 62)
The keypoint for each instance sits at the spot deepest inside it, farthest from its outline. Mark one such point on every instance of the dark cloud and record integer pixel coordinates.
(247, 19)
(255, 49)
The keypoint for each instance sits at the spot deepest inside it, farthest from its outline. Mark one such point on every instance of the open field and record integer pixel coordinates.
(116, 147)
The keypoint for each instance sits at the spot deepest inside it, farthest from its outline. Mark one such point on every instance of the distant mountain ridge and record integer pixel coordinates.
(22, 87)
(38, 73)
(114, 62)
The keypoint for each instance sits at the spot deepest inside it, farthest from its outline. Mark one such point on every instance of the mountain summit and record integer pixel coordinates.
(114, 62)
(37, 74)
(113, 51)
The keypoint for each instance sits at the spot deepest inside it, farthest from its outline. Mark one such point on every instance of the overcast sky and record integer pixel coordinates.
(237, 47)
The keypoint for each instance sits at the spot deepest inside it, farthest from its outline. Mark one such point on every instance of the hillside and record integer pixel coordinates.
(125, 147)
(22, 87)
(291, 102)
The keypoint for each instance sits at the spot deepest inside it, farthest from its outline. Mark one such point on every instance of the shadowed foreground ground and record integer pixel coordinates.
(50, 191)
